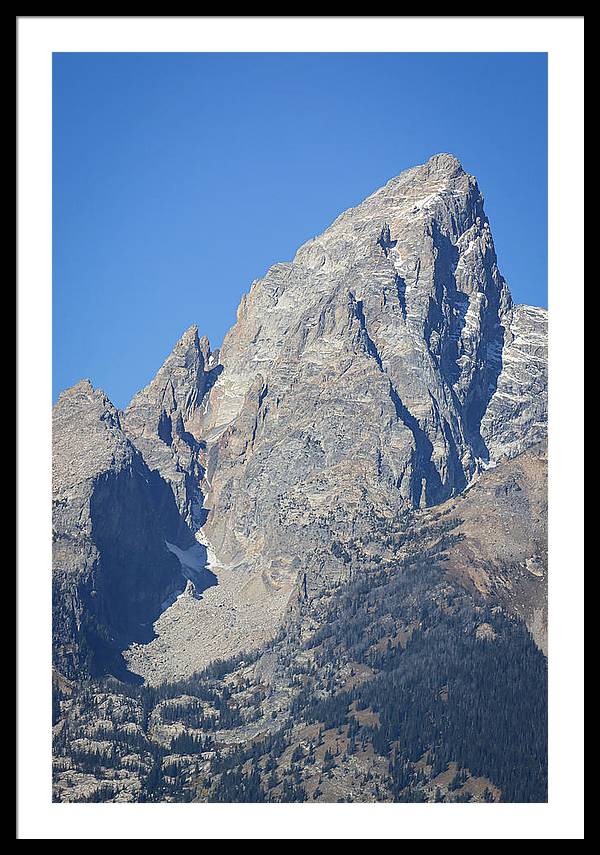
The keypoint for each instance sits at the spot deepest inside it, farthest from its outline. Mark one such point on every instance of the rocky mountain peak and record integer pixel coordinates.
(444, 163)
(323, 506)
(381, 348)
(164, 419)
(380, 371)
(177, 388)
(87, 436)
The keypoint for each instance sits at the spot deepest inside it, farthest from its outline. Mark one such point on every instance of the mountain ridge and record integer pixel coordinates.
(382, 370)
(312, 564)
(397, 310)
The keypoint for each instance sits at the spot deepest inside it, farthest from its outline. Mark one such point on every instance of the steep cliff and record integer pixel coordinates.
(517, 414)
(163, 420)
(111, 517)
(384, 366)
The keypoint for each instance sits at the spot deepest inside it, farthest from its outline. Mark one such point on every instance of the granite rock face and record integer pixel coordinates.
(163, 419)
(382, 367)
(111, 517)
(517, 415)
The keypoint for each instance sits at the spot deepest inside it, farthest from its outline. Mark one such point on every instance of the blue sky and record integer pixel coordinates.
(180, 178)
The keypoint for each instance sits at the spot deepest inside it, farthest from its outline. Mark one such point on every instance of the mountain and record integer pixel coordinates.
(383, 368)
(354, 488)
(162, 420)
(375, 357)
(369, 361)
(502, 538)
(111, 517)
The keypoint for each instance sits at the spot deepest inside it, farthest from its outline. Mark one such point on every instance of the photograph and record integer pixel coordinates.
(295, 526)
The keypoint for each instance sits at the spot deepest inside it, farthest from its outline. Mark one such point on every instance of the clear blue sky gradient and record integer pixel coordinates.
(180, 178)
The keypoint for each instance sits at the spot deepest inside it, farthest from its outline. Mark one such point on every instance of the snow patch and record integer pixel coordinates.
(193, 558)
(212, 562)
(195, 566)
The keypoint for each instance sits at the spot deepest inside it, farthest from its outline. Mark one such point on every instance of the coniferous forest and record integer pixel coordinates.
(408, 688)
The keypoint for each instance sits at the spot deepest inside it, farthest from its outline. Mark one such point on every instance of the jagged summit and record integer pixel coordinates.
(176, 389)
(355, 484)
(191, 333)
(403, 194)
(379, 350)
(84, 383)
(444, 162)
(442, 169)
(379, 371)
(441, 161)
(164, 418)
(192, 341)
(87, 436)
(83, 390)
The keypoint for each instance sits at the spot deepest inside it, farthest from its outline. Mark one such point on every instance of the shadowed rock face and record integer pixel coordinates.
(111, 516)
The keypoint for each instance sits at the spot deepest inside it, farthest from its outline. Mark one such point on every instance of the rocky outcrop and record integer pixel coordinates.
(111, 516)
(164, 418)
(517, 414)
(501, 537)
